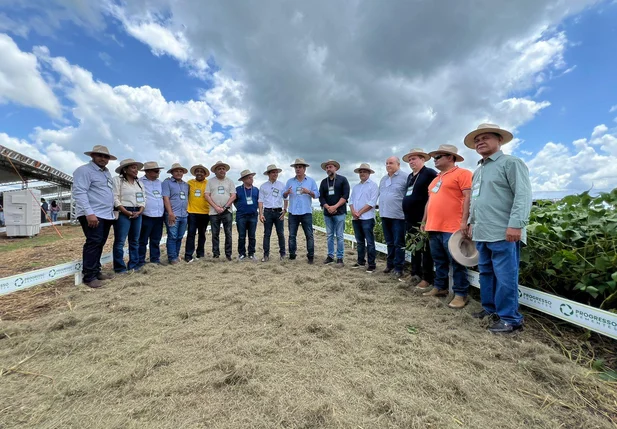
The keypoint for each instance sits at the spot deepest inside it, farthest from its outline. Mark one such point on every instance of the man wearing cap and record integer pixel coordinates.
(272, 209)
(500, 206)
(220, 193)
(94, 208)
(246, 200)
(414, 203)
(391, 193)
(301, 190)
(446, 212)
(175, 194)
(152, 216)
(333, 196)
(362, 204)
(199, 213)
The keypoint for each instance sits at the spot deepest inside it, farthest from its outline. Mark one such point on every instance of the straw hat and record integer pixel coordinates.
(418, 152)
(272, 167)
(463, 250)
(487, 128)
(218, 164)
(246, 173)
(151, 165)
(175, 166)
(127, 162)
(102, 150)
(364, 166)
(195, 167)
(449, 149)
(330, 162)
(299, 161)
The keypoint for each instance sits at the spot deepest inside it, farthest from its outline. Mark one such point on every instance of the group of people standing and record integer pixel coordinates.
(490, 206)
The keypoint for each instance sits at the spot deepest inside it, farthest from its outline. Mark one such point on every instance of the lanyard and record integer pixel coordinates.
(246, 197)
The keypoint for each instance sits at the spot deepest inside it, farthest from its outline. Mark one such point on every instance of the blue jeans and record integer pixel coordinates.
(394, 234)
(123, 228)
(93, 247)
(273, 218)
(226, 219)
(365, 239)
(307, 226)
(151, 230)
(175, 233)
(197, 224)
(498, 265)
(54, 216)
(438, 242)
(335, 226)
(246, 223)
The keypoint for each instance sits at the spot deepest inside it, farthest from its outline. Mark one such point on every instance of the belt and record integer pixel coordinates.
(278, 209)
(132, 209)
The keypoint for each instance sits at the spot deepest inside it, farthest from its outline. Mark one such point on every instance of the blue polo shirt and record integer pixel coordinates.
(178, 193)
(246, 201)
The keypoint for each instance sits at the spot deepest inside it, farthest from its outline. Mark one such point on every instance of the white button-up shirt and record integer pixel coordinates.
(271, 194)
(363, 194)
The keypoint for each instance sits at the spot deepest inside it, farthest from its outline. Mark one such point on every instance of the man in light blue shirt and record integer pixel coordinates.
(175, 198)
(301, 190)
(94, 208)
(152, 216)
(362, 205)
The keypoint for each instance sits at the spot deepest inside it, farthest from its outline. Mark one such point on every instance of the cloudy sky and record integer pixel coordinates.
(254, 82)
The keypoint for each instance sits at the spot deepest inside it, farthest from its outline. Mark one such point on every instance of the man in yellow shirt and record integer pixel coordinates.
(198, 210)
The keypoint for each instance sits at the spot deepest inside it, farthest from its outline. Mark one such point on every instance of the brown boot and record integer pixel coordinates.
(458, 302)
(94, 284)
(103, 276)
(423, 285)
(436, 292)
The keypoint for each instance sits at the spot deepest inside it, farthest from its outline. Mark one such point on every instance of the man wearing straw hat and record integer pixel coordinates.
(272, 209)
(175, 194)
(94, 208)
(362, 204)
(246, 200)
(301, 190)
(333, 195)
(199, 213)
(152, 217)
(500, 206)
(221, 193)
(446, 212)
(414, 203)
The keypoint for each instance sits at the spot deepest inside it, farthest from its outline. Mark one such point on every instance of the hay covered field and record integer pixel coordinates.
(280, 345)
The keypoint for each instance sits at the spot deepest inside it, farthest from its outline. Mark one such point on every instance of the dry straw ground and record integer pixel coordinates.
(280, 345)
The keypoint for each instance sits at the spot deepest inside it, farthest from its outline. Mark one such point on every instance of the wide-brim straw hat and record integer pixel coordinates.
(300, 161)
(101, 150)
(330, 162)
(418, 152)
(463, 250)
(218, 164)
(175, 166)
(272, 167)
(127, 162)
(487, 128)
(450, 150)
(195, 167)
(364, 166)
(246, 173)
(151, 165)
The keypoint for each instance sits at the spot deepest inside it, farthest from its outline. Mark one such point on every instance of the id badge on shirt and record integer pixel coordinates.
(182, 195)
(436, 188)
(249, 201)
(275, 193)
(139, 197)
(220, 190)
(299, 190)
(475, 191)
(109, 184)
(156, 194)
(331, 190)
(409, 191)
(198, 193)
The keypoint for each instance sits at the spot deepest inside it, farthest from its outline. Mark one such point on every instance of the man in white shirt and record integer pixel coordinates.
(152, 217)
(272, 209)
(220, 194)
(362, 205)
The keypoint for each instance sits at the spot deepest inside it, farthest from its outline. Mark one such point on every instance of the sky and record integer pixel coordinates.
(259, 82)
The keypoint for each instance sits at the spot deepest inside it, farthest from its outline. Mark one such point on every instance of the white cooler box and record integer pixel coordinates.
(22, 212)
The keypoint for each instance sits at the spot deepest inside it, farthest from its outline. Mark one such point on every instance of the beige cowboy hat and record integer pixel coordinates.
(102, 150)
(126, 163)
(272, 167)
(151, 165)
(487, 128)
(463, 250)
(176, 166)
(449, 149)
(418, 152)
(330, 162)
(246, 173)
(195, 167)
(364, 166)
(299, 161)
(218, 164)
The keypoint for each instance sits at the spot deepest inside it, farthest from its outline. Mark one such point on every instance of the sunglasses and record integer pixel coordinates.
(436, 157)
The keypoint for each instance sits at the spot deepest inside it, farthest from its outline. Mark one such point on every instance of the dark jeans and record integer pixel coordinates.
(152, 231)
(498, 263)
(123, 228)
(175, 234)
(93, 247)
(365, 239)
(215, 223)
(307, 226)
(272, 217)
(421, 261)
(443, 260)
(394, 234)
(198, 223)
(246, 223)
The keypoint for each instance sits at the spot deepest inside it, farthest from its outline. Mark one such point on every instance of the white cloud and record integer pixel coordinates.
(599, 130)
(613, 109)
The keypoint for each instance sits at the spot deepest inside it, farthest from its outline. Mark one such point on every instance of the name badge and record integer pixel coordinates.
(475, 192)
(299, 190)
(436, 188)
(221, 190)
(156, 194)
(182, 195)
(275, 192)
(409, 191)
(331, 190)
(109, 184)
(139, 197)
(249, 201)
(198, 192)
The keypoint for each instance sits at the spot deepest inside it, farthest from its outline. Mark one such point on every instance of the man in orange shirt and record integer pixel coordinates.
(446, 212)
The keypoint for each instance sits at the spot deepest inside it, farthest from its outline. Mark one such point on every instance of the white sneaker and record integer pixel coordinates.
(252, 258)
(241, 258)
